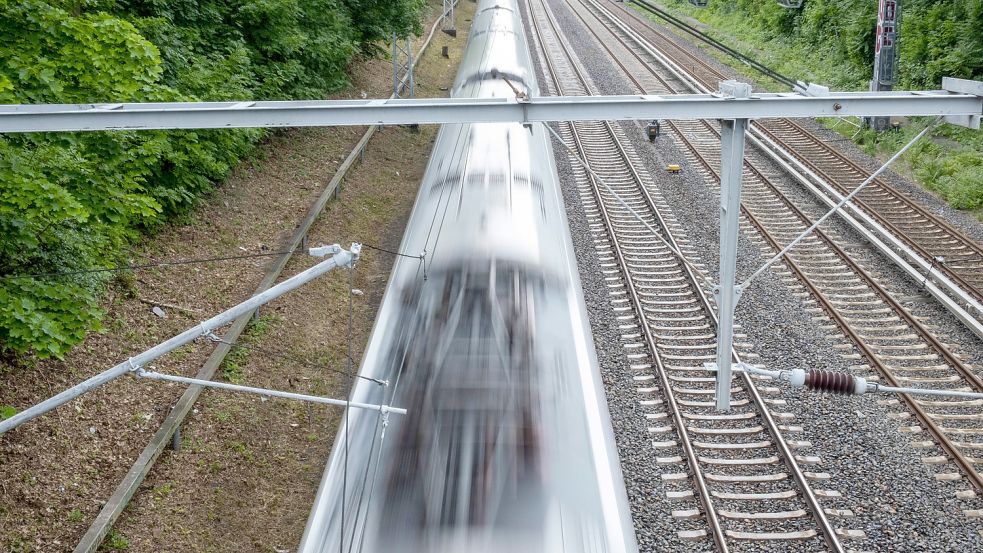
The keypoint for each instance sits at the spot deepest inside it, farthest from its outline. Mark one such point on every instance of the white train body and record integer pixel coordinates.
(507, 445)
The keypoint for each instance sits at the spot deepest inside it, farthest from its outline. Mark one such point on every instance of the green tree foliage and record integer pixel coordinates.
(939, 37)
(74, 201)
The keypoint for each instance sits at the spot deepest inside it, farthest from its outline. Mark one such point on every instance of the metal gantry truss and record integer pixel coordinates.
(403, 85)
(959, 102)
(447, 18)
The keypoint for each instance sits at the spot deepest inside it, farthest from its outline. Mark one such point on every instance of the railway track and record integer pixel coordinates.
(960, 257)
(877, 332)
(735, 476)
(940, 246)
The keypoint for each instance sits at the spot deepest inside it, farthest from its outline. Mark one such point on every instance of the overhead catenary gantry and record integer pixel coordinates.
(959, 101)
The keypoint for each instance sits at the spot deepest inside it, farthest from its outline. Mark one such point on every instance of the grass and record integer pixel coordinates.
(116, 541)
(236, 358)
(164, 490)
(949, 162)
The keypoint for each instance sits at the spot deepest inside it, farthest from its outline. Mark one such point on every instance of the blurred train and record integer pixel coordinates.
(507, 445)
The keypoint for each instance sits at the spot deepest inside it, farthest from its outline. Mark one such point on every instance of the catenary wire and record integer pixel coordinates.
(290, 358)
(153, 265)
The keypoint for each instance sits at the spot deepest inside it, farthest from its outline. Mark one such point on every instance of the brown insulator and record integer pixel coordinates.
(828, 381)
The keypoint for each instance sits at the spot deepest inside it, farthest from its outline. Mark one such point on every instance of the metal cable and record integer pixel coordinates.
(291, 358)
(400, 254)
(348, 396)
(150, 265)
(837, 207)
(422, 257)
(751, 62)
(361, 493)
(634, 213)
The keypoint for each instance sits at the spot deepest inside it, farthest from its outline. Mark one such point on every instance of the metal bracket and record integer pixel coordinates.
(964, 86)
(812, 89)
(735, 89)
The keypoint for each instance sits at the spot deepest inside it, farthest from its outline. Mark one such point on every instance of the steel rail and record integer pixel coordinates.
(712, 519)
(964, 463)
(952, 282)
(881, 185)
(750, 62)
(829, 533)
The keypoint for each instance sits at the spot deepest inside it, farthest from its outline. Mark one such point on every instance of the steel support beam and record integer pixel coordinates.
(217, 115)
(339, 258)
(731, 169)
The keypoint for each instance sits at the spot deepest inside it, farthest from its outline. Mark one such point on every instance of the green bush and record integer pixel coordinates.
(74, 201)
(938, 37)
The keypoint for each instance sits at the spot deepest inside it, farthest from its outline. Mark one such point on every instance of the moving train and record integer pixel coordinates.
(506, 444)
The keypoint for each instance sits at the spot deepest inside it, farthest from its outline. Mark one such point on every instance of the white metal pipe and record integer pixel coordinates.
(341, 258)
(212, 115)
(265, 392)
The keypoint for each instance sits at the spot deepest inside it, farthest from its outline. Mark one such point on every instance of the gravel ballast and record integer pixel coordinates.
(894, 497)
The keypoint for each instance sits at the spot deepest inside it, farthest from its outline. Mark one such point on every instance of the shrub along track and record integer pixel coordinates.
(248, 470)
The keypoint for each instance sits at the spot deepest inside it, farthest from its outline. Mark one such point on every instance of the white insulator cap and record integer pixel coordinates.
(797, 378)
(322, 251)
(859, 385)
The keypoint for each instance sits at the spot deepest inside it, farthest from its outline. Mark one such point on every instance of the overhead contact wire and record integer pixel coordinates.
(838, 206)
(583, 163)
(150, 265)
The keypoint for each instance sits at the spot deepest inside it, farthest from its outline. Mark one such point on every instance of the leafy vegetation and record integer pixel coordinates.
(832, 42)
(231, 367)
(116, 541)
(74, 201)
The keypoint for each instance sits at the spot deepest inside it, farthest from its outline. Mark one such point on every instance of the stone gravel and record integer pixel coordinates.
(894, 497)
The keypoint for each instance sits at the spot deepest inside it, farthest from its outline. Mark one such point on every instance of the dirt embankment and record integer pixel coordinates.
(248, 468)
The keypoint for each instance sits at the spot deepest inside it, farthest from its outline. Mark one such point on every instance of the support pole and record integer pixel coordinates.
(885, 55)
(396, 66)
(731, 167)
(447, 18)
(340, 258)
(402, 66)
